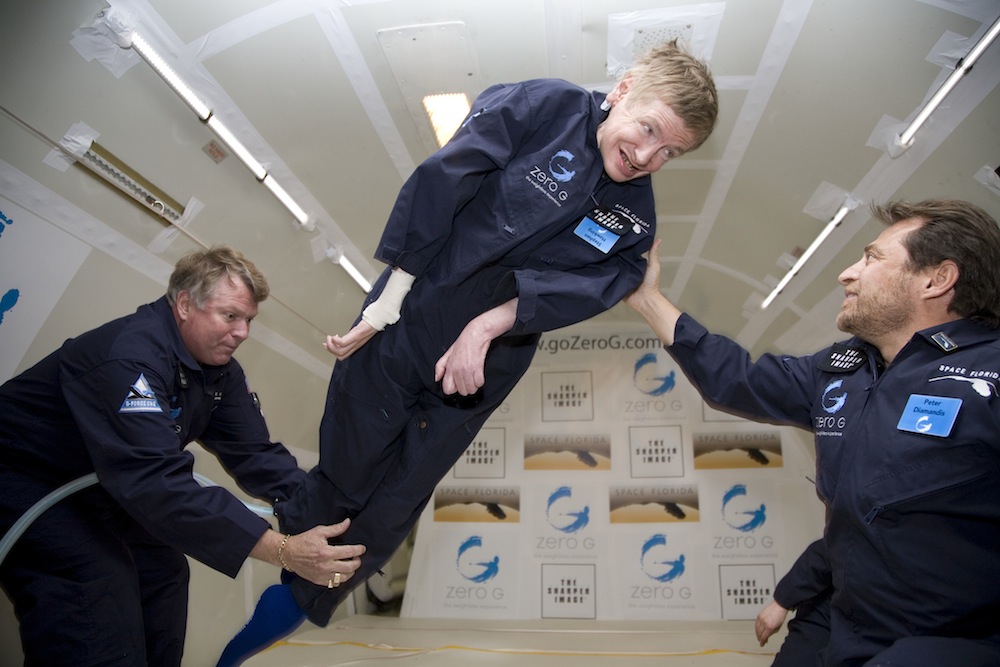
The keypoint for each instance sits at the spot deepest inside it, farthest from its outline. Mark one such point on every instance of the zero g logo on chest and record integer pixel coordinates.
(833, 400)
(834, 397)
(558, 167)
(549, 180)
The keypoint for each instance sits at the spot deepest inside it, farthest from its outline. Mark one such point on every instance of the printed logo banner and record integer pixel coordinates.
(605, 488)
(29, 291)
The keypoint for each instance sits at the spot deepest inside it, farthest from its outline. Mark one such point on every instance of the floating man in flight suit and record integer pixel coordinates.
(533, 217)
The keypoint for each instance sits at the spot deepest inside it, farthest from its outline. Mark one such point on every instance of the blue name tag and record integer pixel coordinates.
(596, 235)
(929, 415)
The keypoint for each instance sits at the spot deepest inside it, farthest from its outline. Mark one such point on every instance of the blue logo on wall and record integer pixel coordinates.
(10, 297)
(656, 561)
(469, 564)
(557, 168)
(739, 514)
(833, 404)
(8, 301)
(646, 376)
(562, 514)
(4, 221)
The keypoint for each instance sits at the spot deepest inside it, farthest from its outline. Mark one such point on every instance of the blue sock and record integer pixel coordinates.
(277, 615)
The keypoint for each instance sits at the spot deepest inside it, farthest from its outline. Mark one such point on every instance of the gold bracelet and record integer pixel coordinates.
(281, 557)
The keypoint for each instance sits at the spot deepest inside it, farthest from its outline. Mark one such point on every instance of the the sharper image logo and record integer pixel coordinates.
(569, 590)
(656, 451)
(474, 563)
(660, 562)
(740, 512)
(745, 589)
(485, 457)
(567, 396)
(564, 514)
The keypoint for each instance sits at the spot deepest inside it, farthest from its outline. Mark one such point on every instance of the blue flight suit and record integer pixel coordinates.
(104, 567)
(908, 465)
(807, 589)
(495, 214)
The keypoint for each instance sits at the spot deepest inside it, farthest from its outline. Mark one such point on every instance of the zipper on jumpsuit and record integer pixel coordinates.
(874, 363)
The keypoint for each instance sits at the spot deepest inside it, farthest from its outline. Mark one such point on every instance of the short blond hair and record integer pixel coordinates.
(669, 73)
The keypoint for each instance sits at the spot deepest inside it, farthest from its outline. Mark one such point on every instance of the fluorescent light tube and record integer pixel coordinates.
(336, 255)
(203, 112)
(234, 144)
(353, 272)
(830, 226)
(963, 67)
(167, 73)
(286, 199)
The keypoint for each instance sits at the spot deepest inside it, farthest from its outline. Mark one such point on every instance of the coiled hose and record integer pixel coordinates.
(72, 487)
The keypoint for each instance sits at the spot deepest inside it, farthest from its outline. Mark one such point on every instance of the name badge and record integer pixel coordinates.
(601, 228)
(929, 415)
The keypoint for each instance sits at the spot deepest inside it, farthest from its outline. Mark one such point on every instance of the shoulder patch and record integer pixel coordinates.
(842, 359)
(944, 342)
(140, 398)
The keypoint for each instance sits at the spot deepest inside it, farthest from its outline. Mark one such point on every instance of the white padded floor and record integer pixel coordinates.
(374, 640)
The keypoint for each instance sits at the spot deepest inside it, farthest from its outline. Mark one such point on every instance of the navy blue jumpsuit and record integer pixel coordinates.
(495, 214)
(908, 466)
(101, 577)
(806, 588)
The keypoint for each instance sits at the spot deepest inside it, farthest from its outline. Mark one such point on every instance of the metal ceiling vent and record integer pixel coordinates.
(646, 38)
(633, 33)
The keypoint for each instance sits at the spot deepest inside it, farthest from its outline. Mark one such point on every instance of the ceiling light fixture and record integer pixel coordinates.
(112, 169)
(207, 116)
(336, 255)
(160, 66)
(237, 147)
(428, 60)
(446, 112)
(293, 207)
(905, 138)
(108, 166)
(849, 205)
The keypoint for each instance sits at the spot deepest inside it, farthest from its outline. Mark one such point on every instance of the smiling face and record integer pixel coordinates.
(639, 136)
(213, 332)
(880, 290)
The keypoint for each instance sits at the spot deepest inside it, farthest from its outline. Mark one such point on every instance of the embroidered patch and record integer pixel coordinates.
(842, 359)
(140, 398)
(986, 388)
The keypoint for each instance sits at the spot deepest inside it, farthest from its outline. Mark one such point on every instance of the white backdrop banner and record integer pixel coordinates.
(37, 263)
(605, 488)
